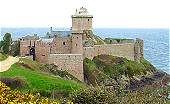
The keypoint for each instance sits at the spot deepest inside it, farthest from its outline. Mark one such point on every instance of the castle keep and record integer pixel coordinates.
(67, 49)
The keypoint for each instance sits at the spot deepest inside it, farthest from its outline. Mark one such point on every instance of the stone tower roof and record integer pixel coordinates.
(82, 12)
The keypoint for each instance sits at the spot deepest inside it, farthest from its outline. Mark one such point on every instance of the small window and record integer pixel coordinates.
(64, 43)
(77, 37)
(76, 44)
(88, 19)
(43, 55)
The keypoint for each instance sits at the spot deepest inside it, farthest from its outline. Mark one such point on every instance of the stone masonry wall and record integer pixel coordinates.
(24, 46)
(24, 49)
(77, 47)
(80, 24)
(73, 63)
(138, 48)
(121, 50)
(61, 45)
(41, 52)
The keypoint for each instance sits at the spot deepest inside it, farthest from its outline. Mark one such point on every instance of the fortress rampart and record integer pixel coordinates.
(73, 63)
(121, 50)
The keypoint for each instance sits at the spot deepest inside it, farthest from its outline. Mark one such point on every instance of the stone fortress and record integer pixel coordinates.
(67, 49)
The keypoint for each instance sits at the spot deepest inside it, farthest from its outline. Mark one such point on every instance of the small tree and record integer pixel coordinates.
(1, 44)
(6, 43)
(15, 48)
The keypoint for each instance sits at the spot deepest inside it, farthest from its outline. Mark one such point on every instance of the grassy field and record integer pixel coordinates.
(39, 80)
(3, 56)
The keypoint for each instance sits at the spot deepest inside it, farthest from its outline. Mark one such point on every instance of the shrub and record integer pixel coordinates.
(93, 96)
(27, 63)
(54, 94)
(148, 66)
(146, 95)
(3, 56)
(8, 96)
(15, 82)
(6, 43)
(117, 66)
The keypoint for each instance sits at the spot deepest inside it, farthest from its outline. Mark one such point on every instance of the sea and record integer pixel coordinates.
(156, 40)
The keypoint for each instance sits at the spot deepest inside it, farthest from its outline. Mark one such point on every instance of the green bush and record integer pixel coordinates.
(6, 43)
(148, 66)
(14, 82)
(3, 56)
(102, 95)
(116, 66)
(92, 96)
(89, 72)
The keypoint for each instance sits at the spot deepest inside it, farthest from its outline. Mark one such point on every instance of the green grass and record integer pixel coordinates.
(34, 65)
(3, 56)
(93, 75)
(40, 81)
(116, 66)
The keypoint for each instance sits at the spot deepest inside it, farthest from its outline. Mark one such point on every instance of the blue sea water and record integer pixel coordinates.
(156, 41)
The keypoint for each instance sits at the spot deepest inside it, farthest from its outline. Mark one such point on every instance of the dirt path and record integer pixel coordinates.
(6, 64)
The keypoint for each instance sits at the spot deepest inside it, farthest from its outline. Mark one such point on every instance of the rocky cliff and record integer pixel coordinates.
(112, 71)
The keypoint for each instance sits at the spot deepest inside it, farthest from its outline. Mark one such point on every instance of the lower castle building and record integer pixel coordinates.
(67, 49)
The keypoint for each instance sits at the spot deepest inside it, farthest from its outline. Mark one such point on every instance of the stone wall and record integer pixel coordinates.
(25, 46)
(73, 63)
(61, 45)
(81, 23)
(41, 52)
(77, 47)
(24, 49)
(138, 48)
(121, 50)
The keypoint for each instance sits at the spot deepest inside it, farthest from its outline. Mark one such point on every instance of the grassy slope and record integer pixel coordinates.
(92, 74)
(3, 56)
(116, 66)
(34, 65)
(89, 34)
(40, 81)
(107, 67)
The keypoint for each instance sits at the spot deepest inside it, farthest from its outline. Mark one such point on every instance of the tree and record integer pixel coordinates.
(6, 43)
(15, 48)
(1, 43)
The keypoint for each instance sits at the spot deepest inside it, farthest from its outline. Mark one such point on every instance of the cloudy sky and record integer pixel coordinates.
(107, 13)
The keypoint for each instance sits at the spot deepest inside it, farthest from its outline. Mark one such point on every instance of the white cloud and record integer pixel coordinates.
(107, 13)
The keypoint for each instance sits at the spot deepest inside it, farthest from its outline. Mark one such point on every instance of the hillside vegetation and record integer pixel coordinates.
(109, 70)
(107, 73)
(93, 39)
(38, 80)
(3, 56)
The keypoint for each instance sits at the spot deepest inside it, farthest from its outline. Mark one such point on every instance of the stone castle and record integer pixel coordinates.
(67, 49)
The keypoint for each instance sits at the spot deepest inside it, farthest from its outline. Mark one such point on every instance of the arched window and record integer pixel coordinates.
(64, 43)
(88, 19)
